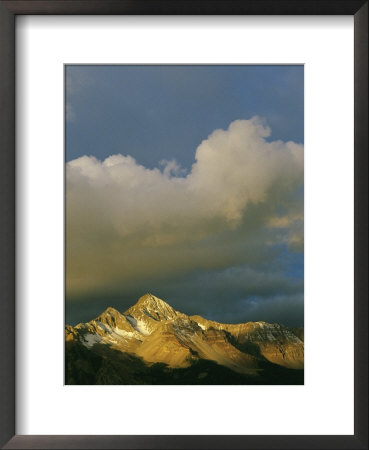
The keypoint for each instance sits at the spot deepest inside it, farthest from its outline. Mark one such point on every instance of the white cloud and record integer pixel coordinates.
(125, 221)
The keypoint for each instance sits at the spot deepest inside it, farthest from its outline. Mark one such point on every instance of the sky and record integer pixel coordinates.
(186, 182)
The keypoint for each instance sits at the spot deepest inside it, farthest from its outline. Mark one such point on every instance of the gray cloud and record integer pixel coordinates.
(128, 226)
(234, 295)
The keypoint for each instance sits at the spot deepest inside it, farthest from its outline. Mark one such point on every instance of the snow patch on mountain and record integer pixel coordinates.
(142, 328)
(122, 333)
(89, 340)
(138, 325)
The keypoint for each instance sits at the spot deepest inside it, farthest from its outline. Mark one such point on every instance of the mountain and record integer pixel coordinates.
(152, 343)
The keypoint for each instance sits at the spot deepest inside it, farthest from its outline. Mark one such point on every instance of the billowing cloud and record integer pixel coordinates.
(126, 224)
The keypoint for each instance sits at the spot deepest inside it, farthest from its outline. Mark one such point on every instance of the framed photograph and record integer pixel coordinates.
(193, 227)
(184, 207)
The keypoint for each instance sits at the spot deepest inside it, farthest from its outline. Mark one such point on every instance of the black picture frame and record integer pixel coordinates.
(8, 12)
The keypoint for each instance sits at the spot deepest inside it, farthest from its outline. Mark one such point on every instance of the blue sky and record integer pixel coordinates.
(202, 204)
(160, 112)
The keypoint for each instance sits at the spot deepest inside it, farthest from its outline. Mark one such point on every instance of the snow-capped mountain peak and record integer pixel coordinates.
(155, 332)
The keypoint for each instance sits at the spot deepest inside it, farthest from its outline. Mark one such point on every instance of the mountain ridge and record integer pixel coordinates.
(155, 333)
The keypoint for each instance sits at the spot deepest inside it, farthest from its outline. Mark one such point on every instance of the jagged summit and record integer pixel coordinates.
(150, 300)
(153, 307)
(110, 311)
(113, 319)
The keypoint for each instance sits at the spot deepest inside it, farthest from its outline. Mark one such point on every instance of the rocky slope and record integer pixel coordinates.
(151, 342)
